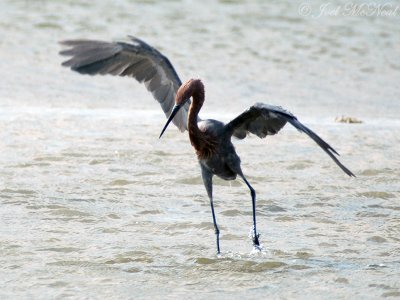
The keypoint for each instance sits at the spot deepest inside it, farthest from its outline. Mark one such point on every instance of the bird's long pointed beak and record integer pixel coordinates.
(171, 117)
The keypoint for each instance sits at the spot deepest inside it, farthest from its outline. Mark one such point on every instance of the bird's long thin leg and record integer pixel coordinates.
(207, 179)
(256, 235)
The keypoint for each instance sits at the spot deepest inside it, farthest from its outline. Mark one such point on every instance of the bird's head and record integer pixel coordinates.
(192, 87)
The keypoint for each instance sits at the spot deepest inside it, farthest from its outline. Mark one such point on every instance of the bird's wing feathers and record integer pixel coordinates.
(138, 60)
(263, 119)
(260, 119)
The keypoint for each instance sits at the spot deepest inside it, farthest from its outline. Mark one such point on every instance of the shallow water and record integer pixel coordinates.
(94, 205)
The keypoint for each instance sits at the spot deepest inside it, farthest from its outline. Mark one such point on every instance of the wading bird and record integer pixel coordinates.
(210, 138)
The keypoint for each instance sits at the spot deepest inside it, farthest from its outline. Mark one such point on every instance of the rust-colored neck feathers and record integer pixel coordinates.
(203, 142)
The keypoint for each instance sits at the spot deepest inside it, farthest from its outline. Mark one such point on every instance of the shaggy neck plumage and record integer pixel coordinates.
(201, 141)
(197, 93)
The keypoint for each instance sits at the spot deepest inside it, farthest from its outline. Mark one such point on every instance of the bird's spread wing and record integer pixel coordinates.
(263, 119)
(138, 60)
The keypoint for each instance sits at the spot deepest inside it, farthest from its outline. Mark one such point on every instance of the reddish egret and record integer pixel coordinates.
(210, 138)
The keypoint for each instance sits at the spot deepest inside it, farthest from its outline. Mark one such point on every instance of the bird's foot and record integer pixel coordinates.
(255, 238)
(257, 247)
(256, 242)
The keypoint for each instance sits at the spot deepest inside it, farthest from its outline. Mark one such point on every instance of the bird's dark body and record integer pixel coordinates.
(210, 138)
(223, 160)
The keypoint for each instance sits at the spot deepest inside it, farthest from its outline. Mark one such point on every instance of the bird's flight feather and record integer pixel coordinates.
(264, 119)
(138, 60)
